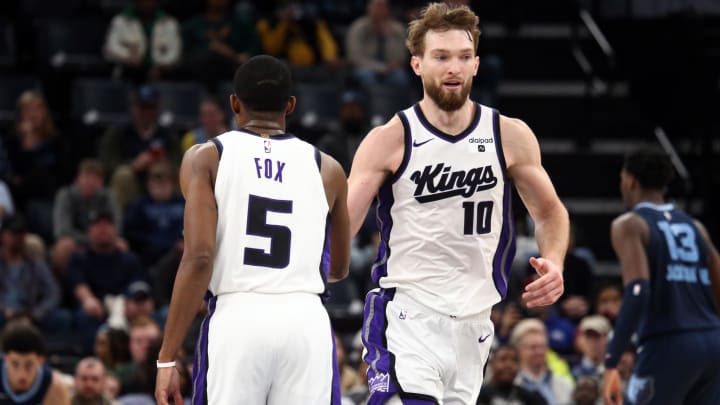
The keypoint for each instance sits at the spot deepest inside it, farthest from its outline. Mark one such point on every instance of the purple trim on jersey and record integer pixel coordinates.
(385, 200)
(336, 395)
(505, 251)
(325, 260)
(201, 361)
(219, 146)
(407, 149)
(445, 136)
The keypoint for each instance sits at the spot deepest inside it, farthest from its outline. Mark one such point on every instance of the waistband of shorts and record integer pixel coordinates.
(402, 298)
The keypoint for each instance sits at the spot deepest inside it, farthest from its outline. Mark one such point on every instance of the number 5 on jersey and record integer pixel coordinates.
(279, 255)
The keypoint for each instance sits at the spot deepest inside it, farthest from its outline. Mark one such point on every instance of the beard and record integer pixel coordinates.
(447, 100)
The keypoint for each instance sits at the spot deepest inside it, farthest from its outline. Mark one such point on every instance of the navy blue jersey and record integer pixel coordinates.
(34, 396)
(681, 296)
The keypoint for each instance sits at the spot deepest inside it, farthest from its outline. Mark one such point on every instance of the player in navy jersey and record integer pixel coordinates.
(443, 171)
(25, 377)
(671, 272)
(266, 226)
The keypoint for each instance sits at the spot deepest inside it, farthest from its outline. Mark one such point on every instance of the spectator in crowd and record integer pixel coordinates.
(139, 303)
(592, 341)
(35, 154)
(143, 40)
(90, 383)
(154, 223)
(587, 391)
(99, 272)
(608, 298)
(27, 378)
(342, 142)
(27, 287)
(502, 387)
(298, 36)
(349, 378)
(112, 347)
(531, 340)
(578, 278)
(217, 42)
(6, 202)
(112, 386)
(74, 205)
(212, 123)
(375, 45)
(145, 337)
(128, 152)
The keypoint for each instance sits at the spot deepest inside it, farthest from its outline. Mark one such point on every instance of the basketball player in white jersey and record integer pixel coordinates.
(442, 171)
(266, 226)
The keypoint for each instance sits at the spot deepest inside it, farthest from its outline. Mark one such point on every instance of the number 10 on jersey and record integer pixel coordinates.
(477, 217)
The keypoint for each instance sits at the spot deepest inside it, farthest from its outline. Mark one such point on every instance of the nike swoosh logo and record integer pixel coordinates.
(483, 338)
(416, 144)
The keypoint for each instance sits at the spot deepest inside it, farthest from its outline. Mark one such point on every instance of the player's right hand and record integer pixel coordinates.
(612, 391)
(167, 385)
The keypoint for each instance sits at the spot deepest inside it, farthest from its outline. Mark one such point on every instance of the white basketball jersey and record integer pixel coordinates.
(445, 217)
(272, 216)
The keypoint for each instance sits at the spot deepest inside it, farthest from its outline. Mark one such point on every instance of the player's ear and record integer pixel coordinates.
(235, 104)
(415, 64)
(290, 105)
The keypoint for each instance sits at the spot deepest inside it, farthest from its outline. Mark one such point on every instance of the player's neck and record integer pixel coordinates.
(450, 122)
(264, 127)
(652, 197)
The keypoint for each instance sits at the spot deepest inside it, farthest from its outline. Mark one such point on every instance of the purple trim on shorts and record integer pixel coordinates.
(201, 361)
(325, 260)
(336, 395)
(377, 356)
(385, 200)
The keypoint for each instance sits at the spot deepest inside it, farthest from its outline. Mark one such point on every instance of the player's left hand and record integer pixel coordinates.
(546, 289)
(612, 392)
(167, 386)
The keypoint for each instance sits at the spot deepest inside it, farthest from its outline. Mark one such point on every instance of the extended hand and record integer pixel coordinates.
(546, 289)
(167, 385)
(612, 393)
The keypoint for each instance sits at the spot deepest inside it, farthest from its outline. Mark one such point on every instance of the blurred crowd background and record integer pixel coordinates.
(100, 98)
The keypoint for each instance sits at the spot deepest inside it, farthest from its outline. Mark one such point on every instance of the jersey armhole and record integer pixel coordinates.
(498, 142)
(407, 141)
(218, 145)
(318, 158)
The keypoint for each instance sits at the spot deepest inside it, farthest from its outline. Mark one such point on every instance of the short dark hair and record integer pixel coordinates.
(23, 337)
(263, 84)
(651, 167)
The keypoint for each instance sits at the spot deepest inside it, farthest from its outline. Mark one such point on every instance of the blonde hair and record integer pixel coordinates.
(28, 96)
(441, 17)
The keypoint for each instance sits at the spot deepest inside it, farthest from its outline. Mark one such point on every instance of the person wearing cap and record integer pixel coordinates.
(74, 205)
(129, 151)
(27, 287)
(154, 222)
(98, 272)
(591, 341)
(530, 338)
(143, 40)
(266, 227)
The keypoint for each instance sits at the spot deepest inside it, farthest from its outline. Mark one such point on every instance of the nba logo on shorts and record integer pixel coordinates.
(268, 148)
(380, 383)
(403, 314)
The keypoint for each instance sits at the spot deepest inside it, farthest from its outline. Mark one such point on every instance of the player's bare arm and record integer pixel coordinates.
(197, 177)
(552, 225)
(57, 393)
(628, 234)
(335, 184)
(713, 263)
(378, 156)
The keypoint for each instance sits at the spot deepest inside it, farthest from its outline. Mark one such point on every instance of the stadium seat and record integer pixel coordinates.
(384, 101)
(7, 44)
(99, 101)
(179, 104)
(10, 89)
(72, 44)
(317, 105)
